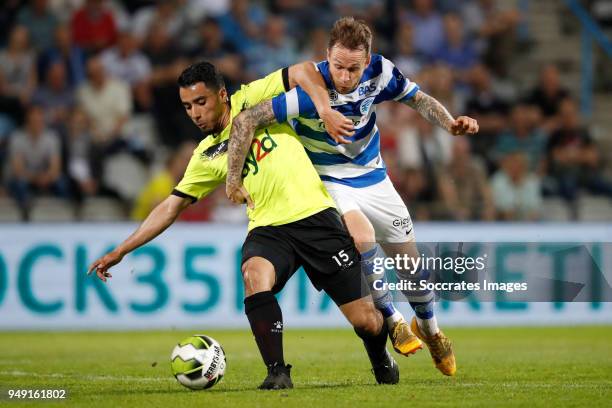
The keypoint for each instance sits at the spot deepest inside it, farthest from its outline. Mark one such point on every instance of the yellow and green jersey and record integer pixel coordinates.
(277, 173)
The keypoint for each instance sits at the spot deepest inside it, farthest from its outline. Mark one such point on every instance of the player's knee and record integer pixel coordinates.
(364, 238)
(256, 278)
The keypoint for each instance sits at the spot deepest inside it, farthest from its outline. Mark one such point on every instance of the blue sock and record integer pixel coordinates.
(383, 300)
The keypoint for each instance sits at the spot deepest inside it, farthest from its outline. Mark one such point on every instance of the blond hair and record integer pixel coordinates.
(352, 34)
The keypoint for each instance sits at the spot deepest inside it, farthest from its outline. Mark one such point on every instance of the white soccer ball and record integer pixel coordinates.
(198, 362)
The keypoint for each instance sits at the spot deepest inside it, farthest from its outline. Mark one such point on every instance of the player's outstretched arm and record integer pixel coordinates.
(158, 220)
(241, 136)
(311, 81)
(435, 113)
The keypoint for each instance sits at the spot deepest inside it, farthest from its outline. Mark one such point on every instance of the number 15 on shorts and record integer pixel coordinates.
(342, 258)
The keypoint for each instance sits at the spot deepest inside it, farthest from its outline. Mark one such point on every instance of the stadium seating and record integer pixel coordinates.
(556, 210)
(9, 212)
(102, 210)
(47, 209)
(595, 209)
(125, 175)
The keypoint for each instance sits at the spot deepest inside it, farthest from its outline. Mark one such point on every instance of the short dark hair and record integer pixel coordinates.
(202, 71)
(352, 34)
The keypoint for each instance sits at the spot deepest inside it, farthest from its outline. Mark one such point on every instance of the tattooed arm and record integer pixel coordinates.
(435, 113)
(241, 136)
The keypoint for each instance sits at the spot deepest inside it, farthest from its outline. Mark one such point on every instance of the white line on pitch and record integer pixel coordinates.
(88, 377)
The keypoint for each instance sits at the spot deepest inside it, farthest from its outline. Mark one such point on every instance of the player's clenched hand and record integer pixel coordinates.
(239, 195)
(464, 125)
(102, 265)
(337, 125)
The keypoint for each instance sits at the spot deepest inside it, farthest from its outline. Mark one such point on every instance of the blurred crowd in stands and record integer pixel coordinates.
(89, 104)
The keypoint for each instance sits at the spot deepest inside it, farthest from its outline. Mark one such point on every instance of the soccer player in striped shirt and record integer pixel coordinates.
(349, 162)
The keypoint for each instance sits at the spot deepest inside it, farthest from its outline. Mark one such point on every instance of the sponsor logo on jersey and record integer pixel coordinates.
(365, 105)
(215, 150)
(258, 151)
(333, 95)
(366, 89)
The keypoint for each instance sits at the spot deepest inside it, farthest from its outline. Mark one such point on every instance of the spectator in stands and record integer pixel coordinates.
(406, 58)
(39, 21)
(424, 146)
(66, 51)
(495, 28)
(165, 13)
(241, 24)
(547, 96)
(303, 16)
(424, 150)
(276, 50)
(418, 195)
(456, 51)
(10, 116)
(315, 48)
(213, 47)
(439, 81)
(371, 12)
(574, 160)
(35, 161)
(55, 97)
(516, 190)
(279, 49)
(427, 24)
(93, 26)
(465, 188)
(126, 62)
(198, 9)
(523, 135)
(158, 188)
(79, 160)
(64, 9)
(173, 126)
(8, 15)
(17, 64)
(488, 109)
(11, 110)
(107, 102)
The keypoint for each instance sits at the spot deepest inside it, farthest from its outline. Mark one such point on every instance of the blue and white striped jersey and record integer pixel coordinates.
(358, 164)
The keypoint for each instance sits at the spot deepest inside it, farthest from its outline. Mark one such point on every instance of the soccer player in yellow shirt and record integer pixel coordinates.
(294, 223)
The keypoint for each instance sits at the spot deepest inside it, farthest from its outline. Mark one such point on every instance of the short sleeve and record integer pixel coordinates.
(199, 180)
(292, 104)
(396, 86)
(264, 88)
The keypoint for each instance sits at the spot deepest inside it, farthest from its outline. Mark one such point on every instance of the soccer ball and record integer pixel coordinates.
(198, 362)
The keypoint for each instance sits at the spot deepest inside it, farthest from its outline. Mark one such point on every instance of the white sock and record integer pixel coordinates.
(393, 319)
(429, 327)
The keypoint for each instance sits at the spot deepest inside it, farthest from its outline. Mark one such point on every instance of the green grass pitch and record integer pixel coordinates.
(496, 367)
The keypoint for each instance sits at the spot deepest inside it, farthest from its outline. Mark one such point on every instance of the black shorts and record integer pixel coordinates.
(321, 244)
